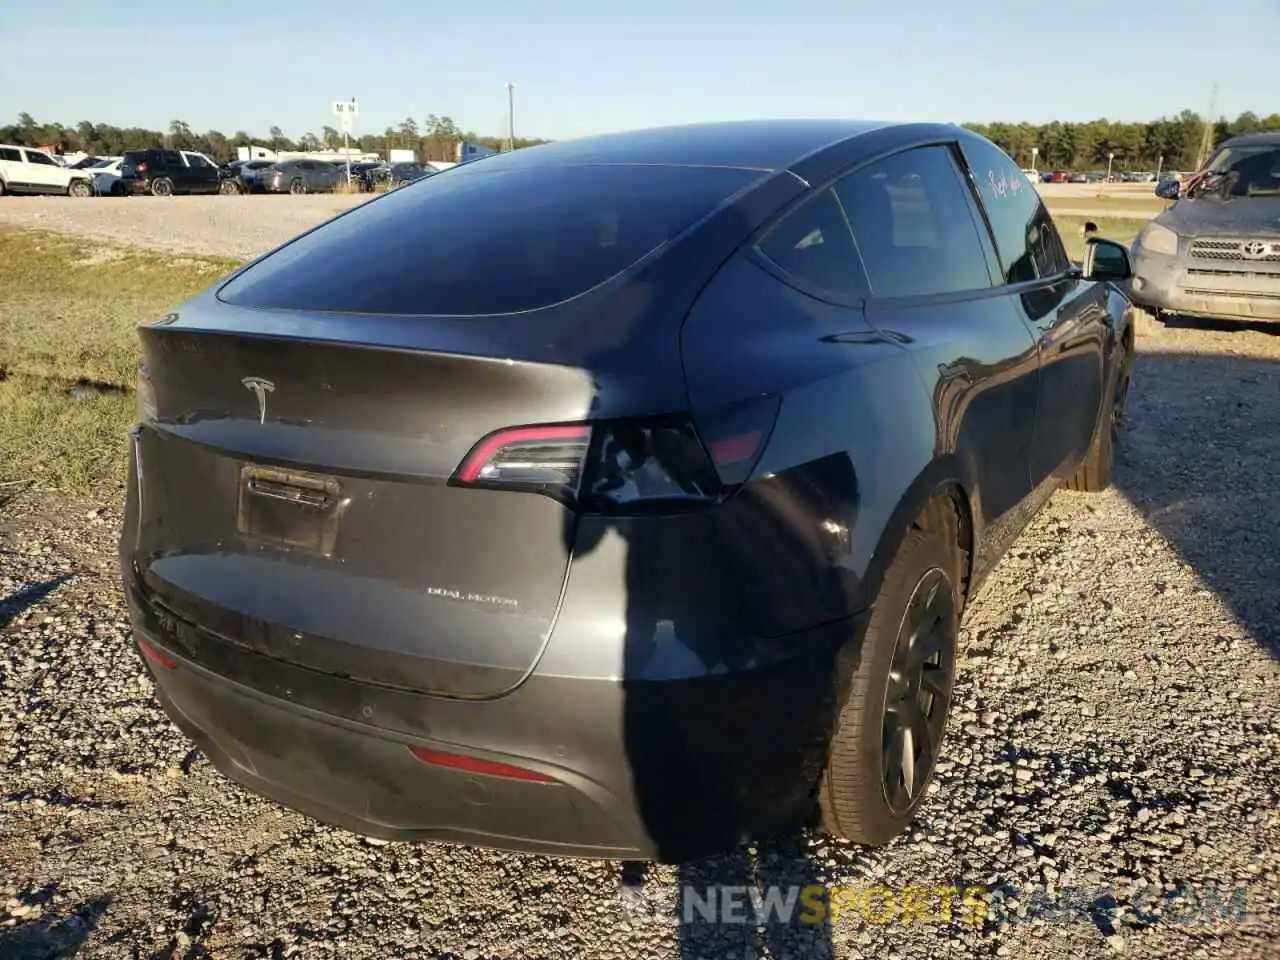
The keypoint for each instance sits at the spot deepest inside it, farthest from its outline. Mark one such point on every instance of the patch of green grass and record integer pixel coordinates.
(52, 440)
(1121, 229)
(68, 307)
(68, 312)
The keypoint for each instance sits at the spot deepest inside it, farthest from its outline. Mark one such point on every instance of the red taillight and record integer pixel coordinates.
(731, 451)
(736, 435)
(624, 466)
(157, 656)
(455, 761)
(543, 459)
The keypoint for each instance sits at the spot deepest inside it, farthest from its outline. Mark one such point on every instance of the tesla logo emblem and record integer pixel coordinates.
(260, 390)
(1255, 249)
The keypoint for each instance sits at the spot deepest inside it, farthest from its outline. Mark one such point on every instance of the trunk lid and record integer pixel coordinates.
(294, 501)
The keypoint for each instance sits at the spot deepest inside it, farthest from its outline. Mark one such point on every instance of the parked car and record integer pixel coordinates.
(1216, 251)
(28, 170)
(665, 544)
(361, 175)
(1032, 174)
(398, 174)
(1078, 177)
(106, 177)
(163, 172)
(301, 176)
(86, 162)
(246, 174)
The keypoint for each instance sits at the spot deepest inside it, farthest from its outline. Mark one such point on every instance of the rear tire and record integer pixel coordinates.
(3, 189)
(1094, 474)
(298, 187)
(162, 187)
(890, 729)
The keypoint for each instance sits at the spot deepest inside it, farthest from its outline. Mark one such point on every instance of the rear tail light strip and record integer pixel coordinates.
(455, 761)
(664, 464)
(157, 656)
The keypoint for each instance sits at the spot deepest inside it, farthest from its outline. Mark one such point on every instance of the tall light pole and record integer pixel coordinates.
(1035, 151)
(1110, 156)
(511, 116)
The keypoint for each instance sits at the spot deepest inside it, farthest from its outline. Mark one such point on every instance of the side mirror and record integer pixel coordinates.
(1168, 189)
(1106, 260)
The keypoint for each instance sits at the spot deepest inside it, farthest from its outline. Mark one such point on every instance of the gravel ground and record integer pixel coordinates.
(244, 227)
(1117, 730)
(240, 227)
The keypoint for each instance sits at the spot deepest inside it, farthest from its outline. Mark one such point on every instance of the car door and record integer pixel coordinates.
(930, 270)
(1066, 314)
(176, 169)
(43, 173)
(13, 170)
(203, 174)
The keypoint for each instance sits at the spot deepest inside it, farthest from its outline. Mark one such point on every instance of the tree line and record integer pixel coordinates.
(1173, 143)
(436, 138)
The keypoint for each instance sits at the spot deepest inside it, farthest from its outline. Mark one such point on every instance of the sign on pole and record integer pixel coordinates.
(346, 111)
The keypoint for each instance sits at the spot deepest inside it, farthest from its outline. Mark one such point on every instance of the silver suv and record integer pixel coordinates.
(1216, 251)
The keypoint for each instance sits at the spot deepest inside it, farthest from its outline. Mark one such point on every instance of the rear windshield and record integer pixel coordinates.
(484, 240)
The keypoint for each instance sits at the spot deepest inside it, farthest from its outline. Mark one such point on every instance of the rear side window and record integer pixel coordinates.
(812, 243)
(1018, 219)
(8, 153)
(914, 225)
(486, 239)
(39, 156)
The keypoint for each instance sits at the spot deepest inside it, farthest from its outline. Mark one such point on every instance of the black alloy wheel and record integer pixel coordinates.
(918, 694)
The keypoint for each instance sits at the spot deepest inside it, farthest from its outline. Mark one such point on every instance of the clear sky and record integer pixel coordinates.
(590, 66)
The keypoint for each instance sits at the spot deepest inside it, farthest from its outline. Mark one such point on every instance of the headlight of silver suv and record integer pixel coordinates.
(1156, 238)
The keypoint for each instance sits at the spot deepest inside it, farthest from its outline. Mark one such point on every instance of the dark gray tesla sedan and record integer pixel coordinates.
(618, 497)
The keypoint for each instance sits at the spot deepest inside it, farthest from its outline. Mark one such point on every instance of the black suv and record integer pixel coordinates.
(163, 173)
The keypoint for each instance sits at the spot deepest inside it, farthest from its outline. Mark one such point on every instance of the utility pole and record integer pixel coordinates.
(511, 117)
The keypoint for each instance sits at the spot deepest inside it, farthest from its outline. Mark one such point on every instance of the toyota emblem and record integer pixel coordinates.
(1255, 249)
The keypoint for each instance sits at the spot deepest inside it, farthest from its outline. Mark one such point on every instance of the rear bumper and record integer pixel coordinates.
(364, 779)
(665, 770)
